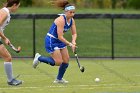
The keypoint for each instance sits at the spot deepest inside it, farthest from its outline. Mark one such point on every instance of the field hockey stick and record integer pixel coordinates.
(82, 69)
(17, 50)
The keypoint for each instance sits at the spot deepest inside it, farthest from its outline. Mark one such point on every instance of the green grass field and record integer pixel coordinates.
(117, 76)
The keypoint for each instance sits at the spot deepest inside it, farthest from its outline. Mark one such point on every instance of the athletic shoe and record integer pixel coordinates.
(62, 81)
(35, 61)
(15, 82)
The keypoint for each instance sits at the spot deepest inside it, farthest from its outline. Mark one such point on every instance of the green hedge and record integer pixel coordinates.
(134, 4)
(84, 3)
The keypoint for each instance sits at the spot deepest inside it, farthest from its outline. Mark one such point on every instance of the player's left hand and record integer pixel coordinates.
(74, 43)
(73, 47)
(7, 41)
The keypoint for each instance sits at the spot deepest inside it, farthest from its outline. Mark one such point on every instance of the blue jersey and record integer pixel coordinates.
(53, 29)
(52, 42)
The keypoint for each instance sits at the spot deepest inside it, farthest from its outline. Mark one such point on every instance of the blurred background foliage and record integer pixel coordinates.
(84, 3)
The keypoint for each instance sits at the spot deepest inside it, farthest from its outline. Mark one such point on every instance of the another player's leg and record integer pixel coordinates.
(8, 67)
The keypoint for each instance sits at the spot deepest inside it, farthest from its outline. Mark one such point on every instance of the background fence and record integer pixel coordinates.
(99, 35)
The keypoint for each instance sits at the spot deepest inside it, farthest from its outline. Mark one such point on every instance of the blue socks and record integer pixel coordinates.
(62, 70)
(47, 60)
(50, 60)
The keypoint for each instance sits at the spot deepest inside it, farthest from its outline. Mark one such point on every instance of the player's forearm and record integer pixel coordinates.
(61, 38)
(74, 37)
(1, 22)
(2, 35)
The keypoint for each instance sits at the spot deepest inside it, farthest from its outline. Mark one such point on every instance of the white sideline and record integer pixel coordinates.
(71, 86)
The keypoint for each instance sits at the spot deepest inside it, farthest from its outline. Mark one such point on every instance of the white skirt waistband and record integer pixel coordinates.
(51, 35)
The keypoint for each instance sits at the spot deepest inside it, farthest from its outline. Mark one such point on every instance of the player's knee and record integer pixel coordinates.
(58, 62)
(66, 59)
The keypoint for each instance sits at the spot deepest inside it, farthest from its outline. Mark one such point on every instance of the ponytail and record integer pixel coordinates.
(61, 3)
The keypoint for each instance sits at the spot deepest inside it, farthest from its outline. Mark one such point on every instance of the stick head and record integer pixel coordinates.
(82, 69)
(18, 49)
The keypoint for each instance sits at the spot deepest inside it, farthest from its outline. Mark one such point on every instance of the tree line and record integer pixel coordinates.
(85, 3)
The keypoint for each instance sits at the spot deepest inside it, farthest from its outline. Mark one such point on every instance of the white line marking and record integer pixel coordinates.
(14, 88)
(89, 87)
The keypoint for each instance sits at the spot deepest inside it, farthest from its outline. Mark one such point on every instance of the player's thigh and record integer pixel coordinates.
(4, 53)
(56, 55)
(65, 54)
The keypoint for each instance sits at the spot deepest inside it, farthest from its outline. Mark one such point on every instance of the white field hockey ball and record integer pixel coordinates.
(97, 80)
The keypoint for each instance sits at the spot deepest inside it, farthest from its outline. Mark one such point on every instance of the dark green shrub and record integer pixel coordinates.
(26, 3)
(134, 4)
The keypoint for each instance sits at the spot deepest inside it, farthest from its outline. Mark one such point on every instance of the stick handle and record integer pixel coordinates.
(12, 46)
(77, 59)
